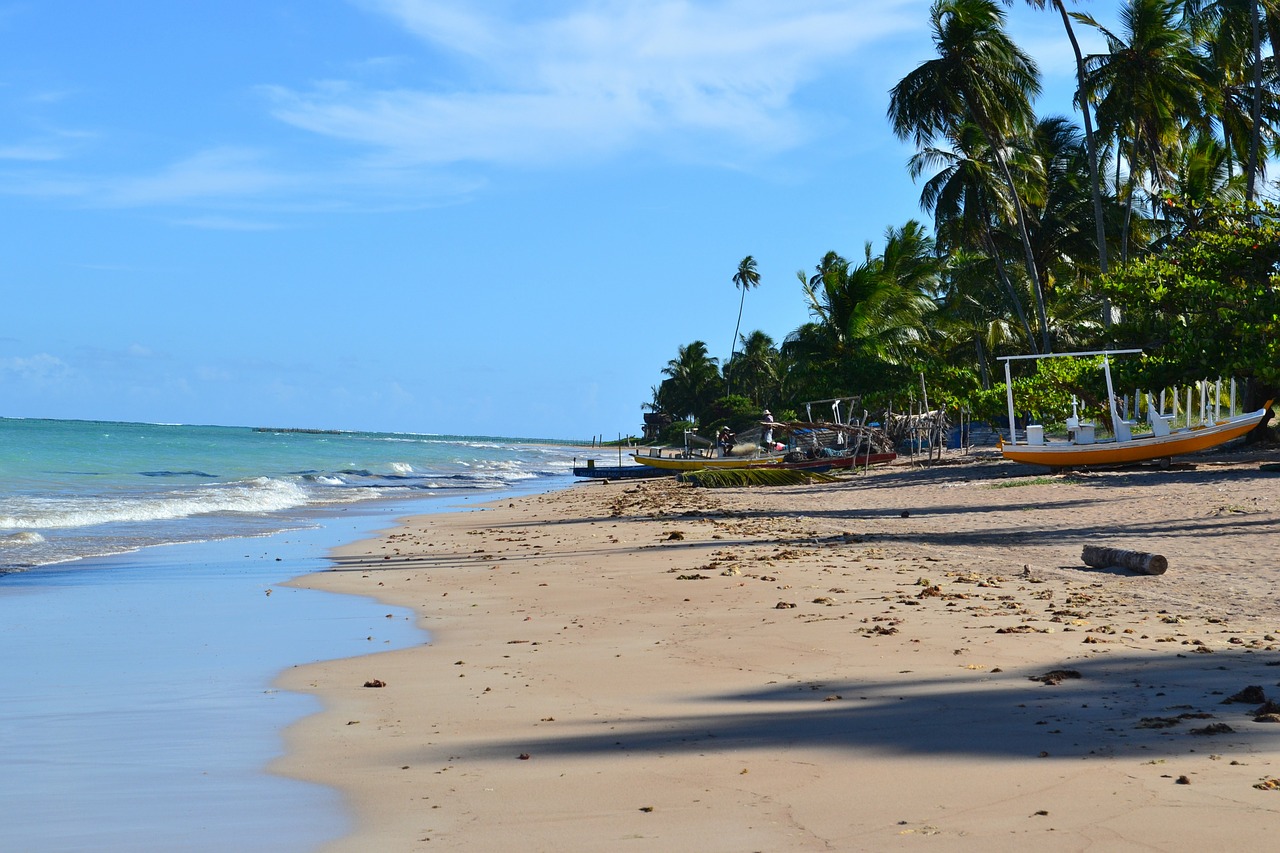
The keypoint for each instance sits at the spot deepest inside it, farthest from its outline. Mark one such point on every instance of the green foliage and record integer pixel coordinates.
(1208, 306)
(674, 432)
(1046, 391)
(734, 411)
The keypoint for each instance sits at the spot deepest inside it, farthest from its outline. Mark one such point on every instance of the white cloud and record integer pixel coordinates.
(39, 369)
(598, 78)
(214, 173)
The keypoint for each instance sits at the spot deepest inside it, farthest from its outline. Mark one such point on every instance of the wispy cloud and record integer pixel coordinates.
(215, 173)
(512, 85)
(598, 78)
(226, 223)
(46, 146)
(39, 369)
(31, 152)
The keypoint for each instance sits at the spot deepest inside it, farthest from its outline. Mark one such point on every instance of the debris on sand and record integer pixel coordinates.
(1056, 676)
(1251, 695)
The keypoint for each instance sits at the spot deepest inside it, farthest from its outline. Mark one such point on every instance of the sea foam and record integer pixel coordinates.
(261, 494)
(26, 537)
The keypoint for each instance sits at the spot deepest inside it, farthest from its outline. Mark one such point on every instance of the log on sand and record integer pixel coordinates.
(1139, 561)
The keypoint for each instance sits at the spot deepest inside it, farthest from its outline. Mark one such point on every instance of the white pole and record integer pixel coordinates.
(1008, 389)
(1217, 400)
(1232, 413)
(1111, 399)
(1188, 407)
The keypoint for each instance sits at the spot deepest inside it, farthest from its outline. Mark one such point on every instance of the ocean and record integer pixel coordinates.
(143, 619)
(76, 489)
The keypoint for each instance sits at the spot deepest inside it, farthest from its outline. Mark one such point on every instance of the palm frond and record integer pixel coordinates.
(721, 478)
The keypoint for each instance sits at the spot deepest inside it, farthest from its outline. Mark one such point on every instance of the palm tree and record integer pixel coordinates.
(980, 77)
(1202, 178)
(755, 367)
(744, 279)
(967, 205)
(869, 320)
(1230, 38)
(691, 383)
(1147, 88)
(1091, 144)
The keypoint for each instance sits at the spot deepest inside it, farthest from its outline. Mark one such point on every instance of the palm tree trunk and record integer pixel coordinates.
(734, 346)
(1128, 217)
(1003, 276)
(982, 362)
(1091, 149)
(1032, 270)
(1255, 132)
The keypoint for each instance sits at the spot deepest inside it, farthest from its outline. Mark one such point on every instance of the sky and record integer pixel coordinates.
(439, 216)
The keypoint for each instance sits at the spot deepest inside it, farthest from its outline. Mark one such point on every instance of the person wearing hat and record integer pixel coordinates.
(768, 428)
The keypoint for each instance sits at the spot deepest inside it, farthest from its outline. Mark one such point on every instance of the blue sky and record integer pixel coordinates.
(432, 215)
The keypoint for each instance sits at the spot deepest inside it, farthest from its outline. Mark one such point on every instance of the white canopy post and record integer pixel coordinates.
(1008, 390)
(1111, 399)
(1217, 400)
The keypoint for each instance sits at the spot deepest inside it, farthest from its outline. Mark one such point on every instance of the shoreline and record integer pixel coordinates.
(142, 713)
(810, 667)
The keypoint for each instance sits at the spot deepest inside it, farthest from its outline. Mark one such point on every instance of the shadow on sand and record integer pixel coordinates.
(1120, 705)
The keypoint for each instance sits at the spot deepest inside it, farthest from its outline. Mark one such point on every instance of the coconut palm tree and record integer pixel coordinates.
(1091, 145)
(979, 77)
(744, 279)
(1241, 83)
(968, 207)
(1147, 88)
(755, 367)
(691, 383)
(870, 322)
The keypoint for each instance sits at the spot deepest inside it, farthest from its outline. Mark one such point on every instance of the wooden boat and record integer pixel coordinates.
(1162, 442)
(591, 471)
(819, 463)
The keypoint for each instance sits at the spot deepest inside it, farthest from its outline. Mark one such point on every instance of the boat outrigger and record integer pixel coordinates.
(1164, 441)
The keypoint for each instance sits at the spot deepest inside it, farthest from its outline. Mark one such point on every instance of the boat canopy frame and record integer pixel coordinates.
(1106, 371)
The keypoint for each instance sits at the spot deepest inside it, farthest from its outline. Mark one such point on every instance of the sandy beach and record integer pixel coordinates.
(907, 659)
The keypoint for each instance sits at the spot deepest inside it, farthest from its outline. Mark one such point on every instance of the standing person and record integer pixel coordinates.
(768, 429)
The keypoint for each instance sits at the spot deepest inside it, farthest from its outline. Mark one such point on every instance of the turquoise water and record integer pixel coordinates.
(139, 640)
(75, 489)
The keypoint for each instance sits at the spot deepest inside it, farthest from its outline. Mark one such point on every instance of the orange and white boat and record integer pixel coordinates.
(1163, 441)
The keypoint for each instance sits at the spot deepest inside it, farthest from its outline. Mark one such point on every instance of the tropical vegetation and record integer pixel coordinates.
(1147, 224)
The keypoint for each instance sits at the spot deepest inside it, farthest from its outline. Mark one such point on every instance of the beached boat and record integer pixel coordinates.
(592, 471)
(1162, 442)
(818, 463)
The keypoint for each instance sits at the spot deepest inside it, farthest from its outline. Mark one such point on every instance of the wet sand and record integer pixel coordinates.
(838, 666)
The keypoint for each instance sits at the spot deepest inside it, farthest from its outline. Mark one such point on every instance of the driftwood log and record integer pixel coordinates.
(1138, 561)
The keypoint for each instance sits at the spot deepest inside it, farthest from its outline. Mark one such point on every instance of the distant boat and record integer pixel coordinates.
(1164, 441)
